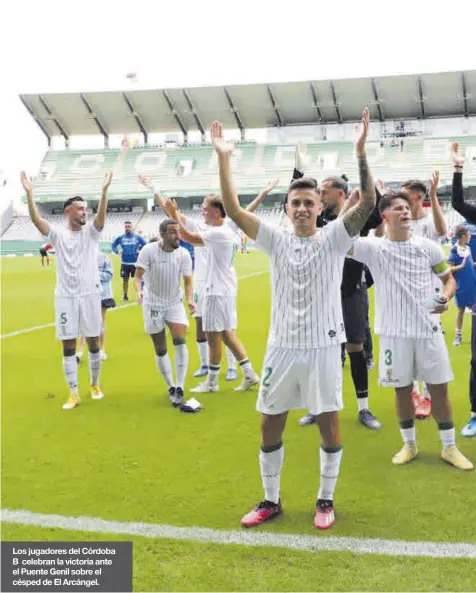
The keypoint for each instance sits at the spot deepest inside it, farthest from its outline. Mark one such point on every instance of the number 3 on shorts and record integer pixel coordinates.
(267, 376)
(388, 357)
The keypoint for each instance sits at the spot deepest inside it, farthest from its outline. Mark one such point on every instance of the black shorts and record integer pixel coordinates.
(108, 303)
(354, 311)
(43, 253)
(128, 270)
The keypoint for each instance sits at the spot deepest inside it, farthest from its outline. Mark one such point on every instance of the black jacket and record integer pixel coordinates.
(457, 200)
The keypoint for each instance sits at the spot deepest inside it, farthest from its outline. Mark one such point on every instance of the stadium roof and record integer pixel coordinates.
(449, 94)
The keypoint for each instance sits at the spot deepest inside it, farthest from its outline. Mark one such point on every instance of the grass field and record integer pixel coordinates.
(132, 458)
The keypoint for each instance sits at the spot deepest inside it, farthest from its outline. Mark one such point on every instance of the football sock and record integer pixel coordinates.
(203, 352)
(94, 359)
(70, 368)
(231, 360)
(407, 430)
(330, 458)
(165, 368)
(271, 462)
(447, 433)
(181, 364)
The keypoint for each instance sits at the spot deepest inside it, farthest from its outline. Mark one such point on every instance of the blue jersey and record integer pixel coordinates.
(190, 249)
(130, 244)
(465, 279)
(472, 231)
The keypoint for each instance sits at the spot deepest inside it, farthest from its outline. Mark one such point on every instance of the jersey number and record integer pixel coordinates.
(63, 319)
(267, 376)
(154, 314)
(388, 357)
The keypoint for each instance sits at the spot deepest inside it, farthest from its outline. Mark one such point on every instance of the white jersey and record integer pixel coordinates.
(403, 275)
(425, 227)
(221, 243)
(306, 274)
(76, 253)
(163, 273)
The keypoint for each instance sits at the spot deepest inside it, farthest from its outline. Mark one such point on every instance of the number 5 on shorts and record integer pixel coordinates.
(267, 376)
(388, 357)
(63, 319)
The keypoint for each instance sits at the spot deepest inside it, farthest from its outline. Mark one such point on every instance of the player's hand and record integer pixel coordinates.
(146, 181)
(301, 159)
(171, 208)
(27, 186)
(221, 145)
(354, 197)
(381, 187)
(107, 181)
(364, 130)
(435, 178)
(140, 297)
(270, 186)
(191, 307)
(443, 305)
(456, 157)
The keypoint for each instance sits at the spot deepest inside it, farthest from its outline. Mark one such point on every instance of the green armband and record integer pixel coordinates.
(441, 269)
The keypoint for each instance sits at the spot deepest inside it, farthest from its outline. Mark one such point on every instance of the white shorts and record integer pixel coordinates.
(155, 320)
(296, 379)
(198, 296)
(404, 359)
(219, 313)
(78, 316)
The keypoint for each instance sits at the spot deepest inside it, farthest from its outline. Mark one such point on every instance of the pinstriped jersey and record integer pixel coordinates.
(403, 275)
(306, 274)
(163, 274)
(76, 255)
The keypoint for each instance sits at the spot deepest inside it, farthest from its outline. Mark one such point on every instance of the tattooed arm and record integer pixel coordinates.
(356, 217)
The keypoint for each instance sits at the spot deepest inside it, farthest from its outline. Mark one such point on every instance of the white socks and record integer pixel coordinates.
(203, 352)
(70, 368)
(165, 368)
(181, 364)
(231, 360)
(408, 435)
(247, 368)
(363, 403)
(447, 435)
(213, 372)
(330, 464)
(94, 366)
(271, 464)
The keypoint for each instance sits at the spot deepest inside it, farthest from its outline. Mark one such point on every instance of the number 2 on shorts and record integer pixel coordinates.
(388, 357)
(267, 376)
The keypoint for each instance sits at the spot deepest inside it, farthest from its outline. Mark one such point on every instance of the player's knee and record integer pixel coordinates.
(354, 347)
(161, 351)
(69, 351)
(178, 341)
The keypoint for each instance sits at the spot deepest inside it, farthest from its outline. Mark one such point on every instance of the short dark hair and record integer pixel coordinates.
(164, 225)
(461, 231)
(216, 201)
(338, 182)
(127, 222)
(390, 197)
(304, 183)
(70, 201)
(416, 185)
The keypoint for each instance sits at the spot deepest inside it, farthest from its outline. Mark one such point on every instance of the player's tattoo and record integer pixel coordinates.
(356, 217)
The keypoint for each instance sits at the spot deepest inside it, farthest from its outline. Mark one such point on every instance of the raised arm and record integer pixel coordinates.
(41, 224)
(100, 218)
(161, 201)
(457, 198)
(252, 206)
(246, 221)
(438, 218)
(356, 217)
(171, 210)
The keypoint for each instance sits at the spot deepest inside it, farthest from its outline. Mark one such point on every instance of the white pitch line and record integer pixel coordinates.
(38, 327)
(316, 543)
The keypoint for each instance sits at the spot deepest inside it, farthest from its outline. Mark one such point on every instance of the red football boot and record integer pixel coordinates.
(265, 511)
(324, 517)
(423, 410)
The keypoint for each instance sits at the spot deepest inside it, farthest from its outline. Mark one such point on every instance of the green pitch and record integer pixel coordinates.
(132, 457)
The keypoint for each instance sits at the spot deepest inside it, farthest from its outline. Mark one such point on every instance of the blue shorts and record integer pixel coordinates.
(464, 299)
